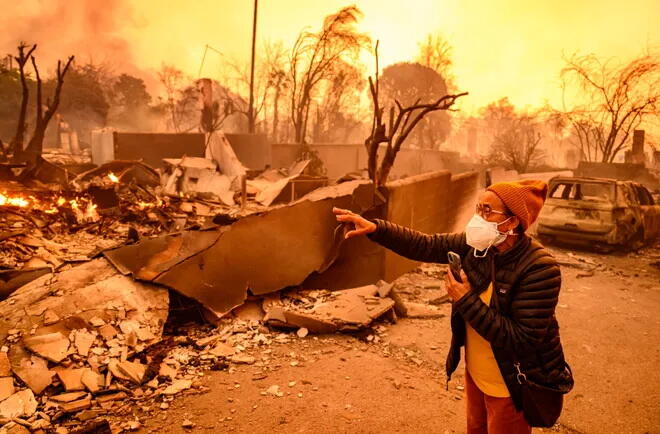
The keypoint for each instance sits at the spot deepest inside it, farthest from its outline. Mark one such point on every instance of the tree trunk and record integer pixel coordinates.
(276, 100)
(35, 146)
(19, 139)
(17, 142)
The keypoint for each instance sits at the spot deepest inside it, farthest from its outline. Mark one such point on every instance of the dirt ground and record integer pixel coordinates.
(347, 384)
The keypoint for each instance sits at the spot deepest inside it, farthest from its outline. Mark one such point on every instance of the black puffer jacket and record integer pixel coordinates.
(520, 321)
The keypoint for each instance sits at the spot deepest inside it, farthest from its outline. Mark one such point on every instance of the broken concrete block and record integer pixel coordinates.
(111, 397)
(32, 370)
(68, 397)
(113, 368)
(144, 334)
(71, 378)
(348, 309)
(203, 342)
(384, 288)
(280, 317)
(222, 350)
(91, 380)
(166, 370)
(131, 339)
(133, 370)
(242, 359)
(96, 322)
(177, 386)
(51, 346)
(6, 387)
(5, 367)
(20, 404)
(83, 341)
(107, 331)
(129, 326)
(88, 415)
(420, 310)
(50, 317)
(76, 406)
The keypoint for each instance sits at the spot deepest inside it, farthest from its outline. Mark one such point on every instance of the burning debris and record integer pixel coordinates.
(89, 265)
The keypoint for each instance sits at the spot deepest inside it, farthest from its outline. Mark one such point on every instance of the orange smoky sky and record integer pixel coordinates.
(501, 48)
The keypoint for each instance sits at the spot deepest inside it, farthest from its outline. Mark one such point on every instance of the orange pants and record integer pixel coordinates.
(490, 415)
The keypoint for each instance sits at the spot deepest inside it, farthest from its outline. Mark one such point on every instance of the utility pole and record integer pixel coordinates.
(254, 41)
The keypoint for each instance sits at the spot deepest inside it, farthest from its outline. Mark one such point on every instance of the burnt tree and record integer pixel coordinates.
(16, 145)
(401, 122)
(618, 98)
(312, 59)
(35, 146)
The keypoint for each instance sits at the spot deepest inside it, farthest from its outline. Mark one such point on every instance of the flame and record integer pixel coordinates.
(13, 201)
(83, 208)
(147, 205)
(113, 177)
(90, 212)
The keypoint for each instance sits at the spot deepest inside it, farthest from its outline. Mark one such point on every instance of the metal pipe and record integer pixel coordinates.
(254, 40)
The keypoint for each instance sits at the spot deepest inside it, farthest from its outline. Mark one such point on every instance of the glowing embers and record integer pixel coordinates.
(83, 209)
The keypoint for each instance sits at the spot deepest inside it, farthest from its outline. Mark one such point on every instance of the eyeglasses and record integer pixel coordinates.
(485, 210)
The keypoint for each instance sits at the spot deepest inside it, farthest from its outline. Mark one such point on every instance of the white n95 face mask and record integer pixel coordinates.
(482, 234)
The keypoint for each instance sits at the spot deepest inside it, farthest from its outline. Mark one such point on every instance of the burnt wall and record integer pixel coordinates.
(431, 203)
(340, 159)
(253, 150)
(151, 148)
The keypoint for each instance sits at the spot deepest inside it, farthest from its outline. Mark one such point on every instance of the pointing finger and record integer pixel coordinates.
(341, 211)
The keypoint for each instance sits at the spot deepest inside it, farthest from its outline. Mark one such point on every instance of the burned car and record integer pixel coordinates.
(601, 213)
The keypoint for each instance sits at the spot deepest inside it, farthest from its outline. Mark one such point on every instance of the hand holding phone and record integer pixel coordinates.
(454, 261)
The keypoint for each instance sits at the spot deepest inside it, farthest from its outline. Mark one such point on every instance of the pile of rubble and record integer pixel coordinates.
(47, 225)
(88, 342)
(91, 261)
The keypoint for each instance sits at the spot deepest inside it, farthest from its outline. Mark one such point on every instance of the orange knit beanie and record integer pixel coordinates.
(523, 198)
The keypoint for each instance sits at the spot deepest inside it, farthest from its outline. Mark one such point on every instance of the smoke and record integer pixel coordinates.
(89, 29)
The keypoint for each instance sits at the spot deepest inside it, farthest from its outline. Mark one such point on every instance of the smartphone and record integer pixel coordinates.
(455, 265)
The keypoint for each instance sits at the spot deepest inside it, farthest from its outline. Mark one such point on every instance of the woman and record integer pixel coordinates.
(503, 308)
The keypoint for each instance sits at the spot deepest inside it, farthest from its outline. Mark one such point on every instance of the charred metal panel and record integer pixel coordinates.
(261, 253)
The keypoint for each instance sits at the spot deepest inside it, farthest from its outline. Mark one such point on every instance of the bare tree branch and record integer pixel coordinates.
(401, 123)
(16, 144)
(621, 97)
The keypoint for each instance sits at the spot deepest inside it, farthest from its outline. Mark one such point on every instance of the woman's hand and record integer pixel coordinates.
(361, 226)
(456, 289)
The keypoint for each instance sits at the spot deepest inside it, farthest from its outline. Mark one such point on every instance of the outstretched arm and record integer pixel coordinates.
(406, 242)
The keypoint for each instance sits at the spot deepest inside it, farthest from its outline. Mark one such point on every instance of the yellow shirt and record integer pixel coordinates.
(480, 360)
